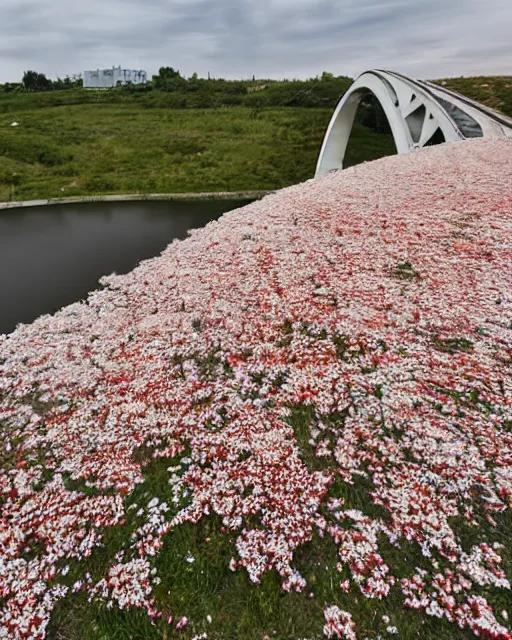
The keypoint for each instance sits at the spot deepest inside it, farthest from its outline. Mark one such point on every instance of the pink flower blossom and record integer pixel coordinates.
(182, 623)
(338, 624)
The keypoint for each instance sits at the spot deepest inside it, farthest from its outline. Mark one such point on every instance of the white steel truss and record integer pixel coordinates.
(415, 110)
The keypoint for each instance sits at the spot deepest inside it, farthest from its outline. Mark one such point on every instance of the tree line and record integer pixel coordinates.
(170, 89)
(34, 81)
(197, 92)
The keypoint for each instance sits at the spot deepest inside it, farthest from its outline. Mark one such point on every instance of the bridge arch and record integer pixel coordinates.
(417, 111)
(412, 122)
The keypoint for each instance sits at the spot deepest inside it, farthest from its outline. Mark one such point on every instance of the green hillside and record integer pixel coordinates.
(188, 135)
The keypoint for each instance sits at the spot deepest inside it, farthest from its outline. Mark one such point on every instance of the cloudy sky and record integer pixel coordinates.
(267, 38)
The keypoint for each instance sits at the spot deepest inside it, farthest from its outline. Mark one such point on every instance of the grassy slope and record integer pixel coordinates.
(492, 91)
(243, 610)
(72, 143)
(89, 149)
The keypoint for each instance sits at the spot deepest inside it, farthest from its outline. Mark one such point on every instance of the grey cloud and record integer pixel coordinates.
(268, 38)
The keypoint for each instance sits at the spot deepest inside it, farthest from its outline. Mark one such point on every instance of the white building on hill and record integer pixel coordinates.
(115, 77)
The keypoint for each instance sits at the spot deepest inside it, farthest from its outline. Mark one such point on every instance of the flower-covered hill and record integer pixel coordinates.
(297, 422)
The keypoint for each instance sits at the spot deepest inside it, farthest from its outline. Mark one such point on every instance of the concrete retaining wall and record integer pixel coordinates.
(171, 197)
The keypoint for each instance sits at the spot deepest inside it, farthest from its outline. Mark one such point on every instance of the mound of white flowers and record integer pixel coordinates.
(377, 302)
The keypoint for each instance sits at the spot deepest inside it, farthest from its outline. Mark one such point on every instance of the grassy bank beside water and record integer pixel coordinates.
(82, 143)
(90, 149)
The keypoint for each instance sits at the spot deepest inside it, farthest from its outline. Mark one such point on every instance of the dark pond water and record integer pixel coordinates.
(53, 256)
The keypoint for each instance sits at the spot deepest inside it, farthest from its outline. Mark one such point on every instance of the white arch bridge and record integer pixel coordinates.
(417, 111)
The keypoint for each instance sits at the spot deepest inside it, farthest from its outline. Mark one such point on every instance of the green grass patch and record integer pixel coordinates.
(451, 345)
(492, 91)
(79, 150)
(405, 271)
